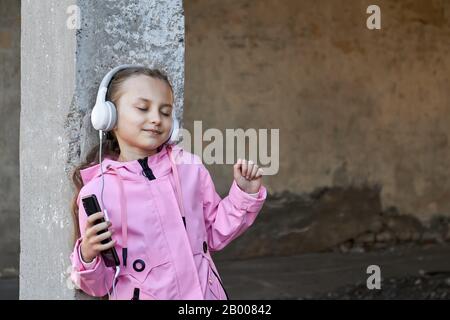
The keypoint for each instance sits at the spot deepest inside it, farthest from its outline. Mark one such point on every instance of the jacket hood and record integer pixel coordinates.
(158, 162)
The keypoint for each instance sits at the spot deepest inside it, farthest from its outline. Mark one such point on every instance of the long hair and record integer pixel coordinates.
(110, 146)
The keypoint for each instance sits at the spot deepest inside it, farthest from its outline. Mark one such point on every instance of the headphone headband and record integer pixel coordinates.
(103, 88)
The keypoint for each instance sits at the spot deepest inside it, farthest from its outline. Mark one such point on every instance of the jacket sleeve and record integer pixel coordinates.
(227, 218)
(94, 279)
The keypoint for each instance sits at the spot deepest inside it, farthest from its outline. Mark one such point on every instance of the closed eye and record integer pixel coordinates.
(167, 114)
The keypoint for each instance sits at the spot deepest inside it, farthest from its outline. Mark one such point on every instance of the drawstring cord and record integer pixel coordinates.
(177, 182)
(123, 214)
(116, 274)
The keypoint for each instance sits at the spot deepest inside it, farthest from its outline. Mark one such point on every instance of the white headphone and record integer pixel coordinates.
(104, 113)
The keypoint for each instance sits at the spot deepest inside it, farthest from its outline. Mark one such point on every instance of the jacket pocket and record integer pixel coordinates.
(139, 294)
(158, 283)
(152, 276)
(141, 263)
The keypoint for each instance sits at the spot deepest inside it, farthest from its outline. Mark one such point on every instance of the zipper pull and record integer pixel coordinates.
(136, 294)
(146, 170)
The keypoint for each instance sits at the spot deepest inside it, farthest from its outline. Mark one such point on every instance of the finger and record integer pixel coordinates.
(97, 228)
(250, 167)
(102, 226)
(244, 167)
(103, 247)
(237, 166)
(254, 171)
(101, 237)
(259, 173)
(94, 217)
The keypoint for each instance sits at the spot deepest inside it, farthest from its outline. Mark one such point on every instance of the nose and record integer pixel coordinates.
(155, 117)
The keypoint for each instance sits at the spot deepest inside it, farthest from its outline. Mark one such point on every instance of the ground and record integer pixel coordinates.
(408, 272)
(428, 286)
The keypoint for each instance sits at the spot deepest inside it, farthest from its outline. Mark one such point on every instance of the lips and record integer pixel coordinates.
(152, 131)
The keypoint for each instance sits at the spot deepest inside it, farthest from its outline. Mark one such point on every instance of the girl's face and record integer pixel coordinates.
(144, 114)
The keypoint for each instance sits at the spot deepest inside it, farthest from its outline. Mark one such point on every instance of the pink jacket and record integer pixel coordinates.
(166, 257)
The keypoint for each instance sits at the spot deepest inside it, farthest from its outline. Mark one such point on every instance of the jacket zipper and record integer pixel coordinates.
(146, 170)
(136, 294)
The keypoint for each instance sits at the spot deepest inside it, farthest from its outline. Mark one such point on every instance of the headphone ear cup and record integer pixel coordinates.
(111, 115)
(97, 117)
(175, 131)
(103, 116)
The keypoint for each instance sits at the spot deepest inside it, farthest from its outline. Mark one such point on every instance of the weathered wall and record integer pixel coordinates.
(61, 71)
(9, 136)
(355, 107)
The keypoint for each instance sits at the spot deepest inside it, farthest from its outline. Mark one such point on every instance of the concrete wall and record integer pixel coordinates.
(70, 66)
(9, 136)
(355, 107)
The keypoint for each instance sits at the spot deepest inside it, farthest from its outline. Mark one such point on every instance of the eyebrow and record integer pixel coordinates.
(148, 101)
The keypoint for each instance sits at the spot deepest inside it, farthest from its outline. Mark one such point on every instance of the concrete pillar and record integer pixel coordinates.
(61, 70)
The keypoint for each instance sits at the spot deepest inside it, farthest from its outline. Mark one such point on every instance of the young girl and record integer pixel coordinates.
(149, 185)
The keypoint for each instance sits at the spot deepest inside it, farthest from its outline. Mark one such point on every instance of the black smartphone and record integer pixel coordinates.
(91, 206)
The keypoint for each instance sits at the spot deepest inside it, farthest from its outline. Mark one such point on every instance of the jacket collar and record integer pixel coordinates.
(154, 162)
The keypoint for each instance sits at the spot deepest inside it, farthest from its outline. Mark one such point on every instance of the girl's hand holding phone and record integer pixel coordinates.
(94, 234)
